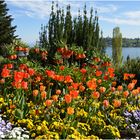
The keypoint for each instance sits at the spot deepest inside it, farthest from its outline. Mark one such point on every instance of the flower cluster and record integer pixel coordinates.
(63, 101)
(132, 119)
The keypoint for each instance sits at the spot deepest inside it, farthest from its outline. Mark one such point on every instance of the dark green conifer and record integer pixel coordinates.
(62, 24)
(79, 30)
(6, 29)
(85, 29)
(51, 25)
(43, 37)
(68, 26)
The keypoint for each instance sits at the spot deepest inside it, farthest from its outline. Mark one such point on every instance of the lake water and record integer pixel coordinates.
(132, 52)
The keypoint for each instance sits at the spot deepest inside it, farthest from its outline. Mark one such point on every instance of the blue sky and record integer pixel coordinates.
(30, 14)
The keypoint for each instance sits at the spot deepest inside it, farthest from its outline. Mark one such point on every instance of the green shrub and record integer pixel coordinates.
(130, 66)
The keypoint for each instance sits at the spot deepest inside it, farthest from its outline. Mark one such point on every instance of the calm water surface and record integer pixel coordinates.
(132, 52)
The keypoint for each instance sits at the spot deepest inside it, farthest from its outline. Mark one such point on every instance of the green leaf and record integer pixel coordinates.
(18, 114)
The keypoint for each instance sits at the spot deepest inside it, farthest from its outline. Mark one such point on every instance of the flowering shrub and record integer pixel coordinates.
(66, 101)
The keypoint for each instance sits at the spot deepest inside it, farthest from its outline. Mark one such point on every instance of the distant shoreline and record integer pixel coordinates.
(126, 42)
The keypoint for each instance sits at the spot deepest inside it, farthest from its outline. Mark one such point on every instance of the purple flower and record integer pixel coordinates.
(127, 120)
(3, 122)
(135, 114)
(137, 118)
(134, 126)
(3, 129)
(127, 114)
(1, 125)
(9, 126)
(138, 113)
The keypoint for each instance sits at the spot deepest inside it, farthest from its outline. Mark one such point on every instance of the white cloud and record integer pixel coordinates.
(122, 21)
(106, 8)
(132, 14)
(126, 18)
(41, 8)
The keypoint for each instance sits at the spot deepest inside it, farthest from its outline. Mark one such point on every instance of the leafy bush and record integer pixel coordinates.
(130, 66)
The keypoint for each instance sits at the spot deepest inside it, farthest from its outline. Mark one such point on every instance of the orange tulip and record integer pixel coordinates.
(68, 79)
(96, 94)
(5, 73)
(18, 76)
(102, 89)
(126, 93)
(55, 98)
(70, 88)
(38, 79)
(116, 103)
(42, 88)
(99, 81)
(68, 98)
(31, 71)
(131, 75)
(74, 93)
(120, 88)
(114, 84)
(81, 88)
(130, 86)
(16, 84)
(134, 81)
(92, 84)
(98, 73)
(10, 66)
(135, 92)
(106, 103)
(60, 78)
(62, 67)
(113, 89)
(43, 94)
(83, 70)
(2, 81)
(70, 110)
(24, 85)
(106, 77)
(111, 70)
(12, 106)
(138, 89)
(58, 91)
(35, 92)
(50, 73)
(26, 75)
(48, 103)
(75, 85)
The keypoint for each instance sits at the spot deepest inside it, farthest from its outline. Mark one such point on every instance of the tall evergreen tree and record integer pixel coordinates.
(6, 29)
(90, 30)
(43, 38)
(79, 30)
(85, 29)
(57, 24)
(62, 24)
(97, 31)
(102, 45)
(68, 26)
(51, 25)
(74, 30)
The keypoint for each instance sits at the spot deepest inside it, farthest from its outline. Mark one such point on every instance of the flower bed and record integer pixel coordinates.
(69, 101)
